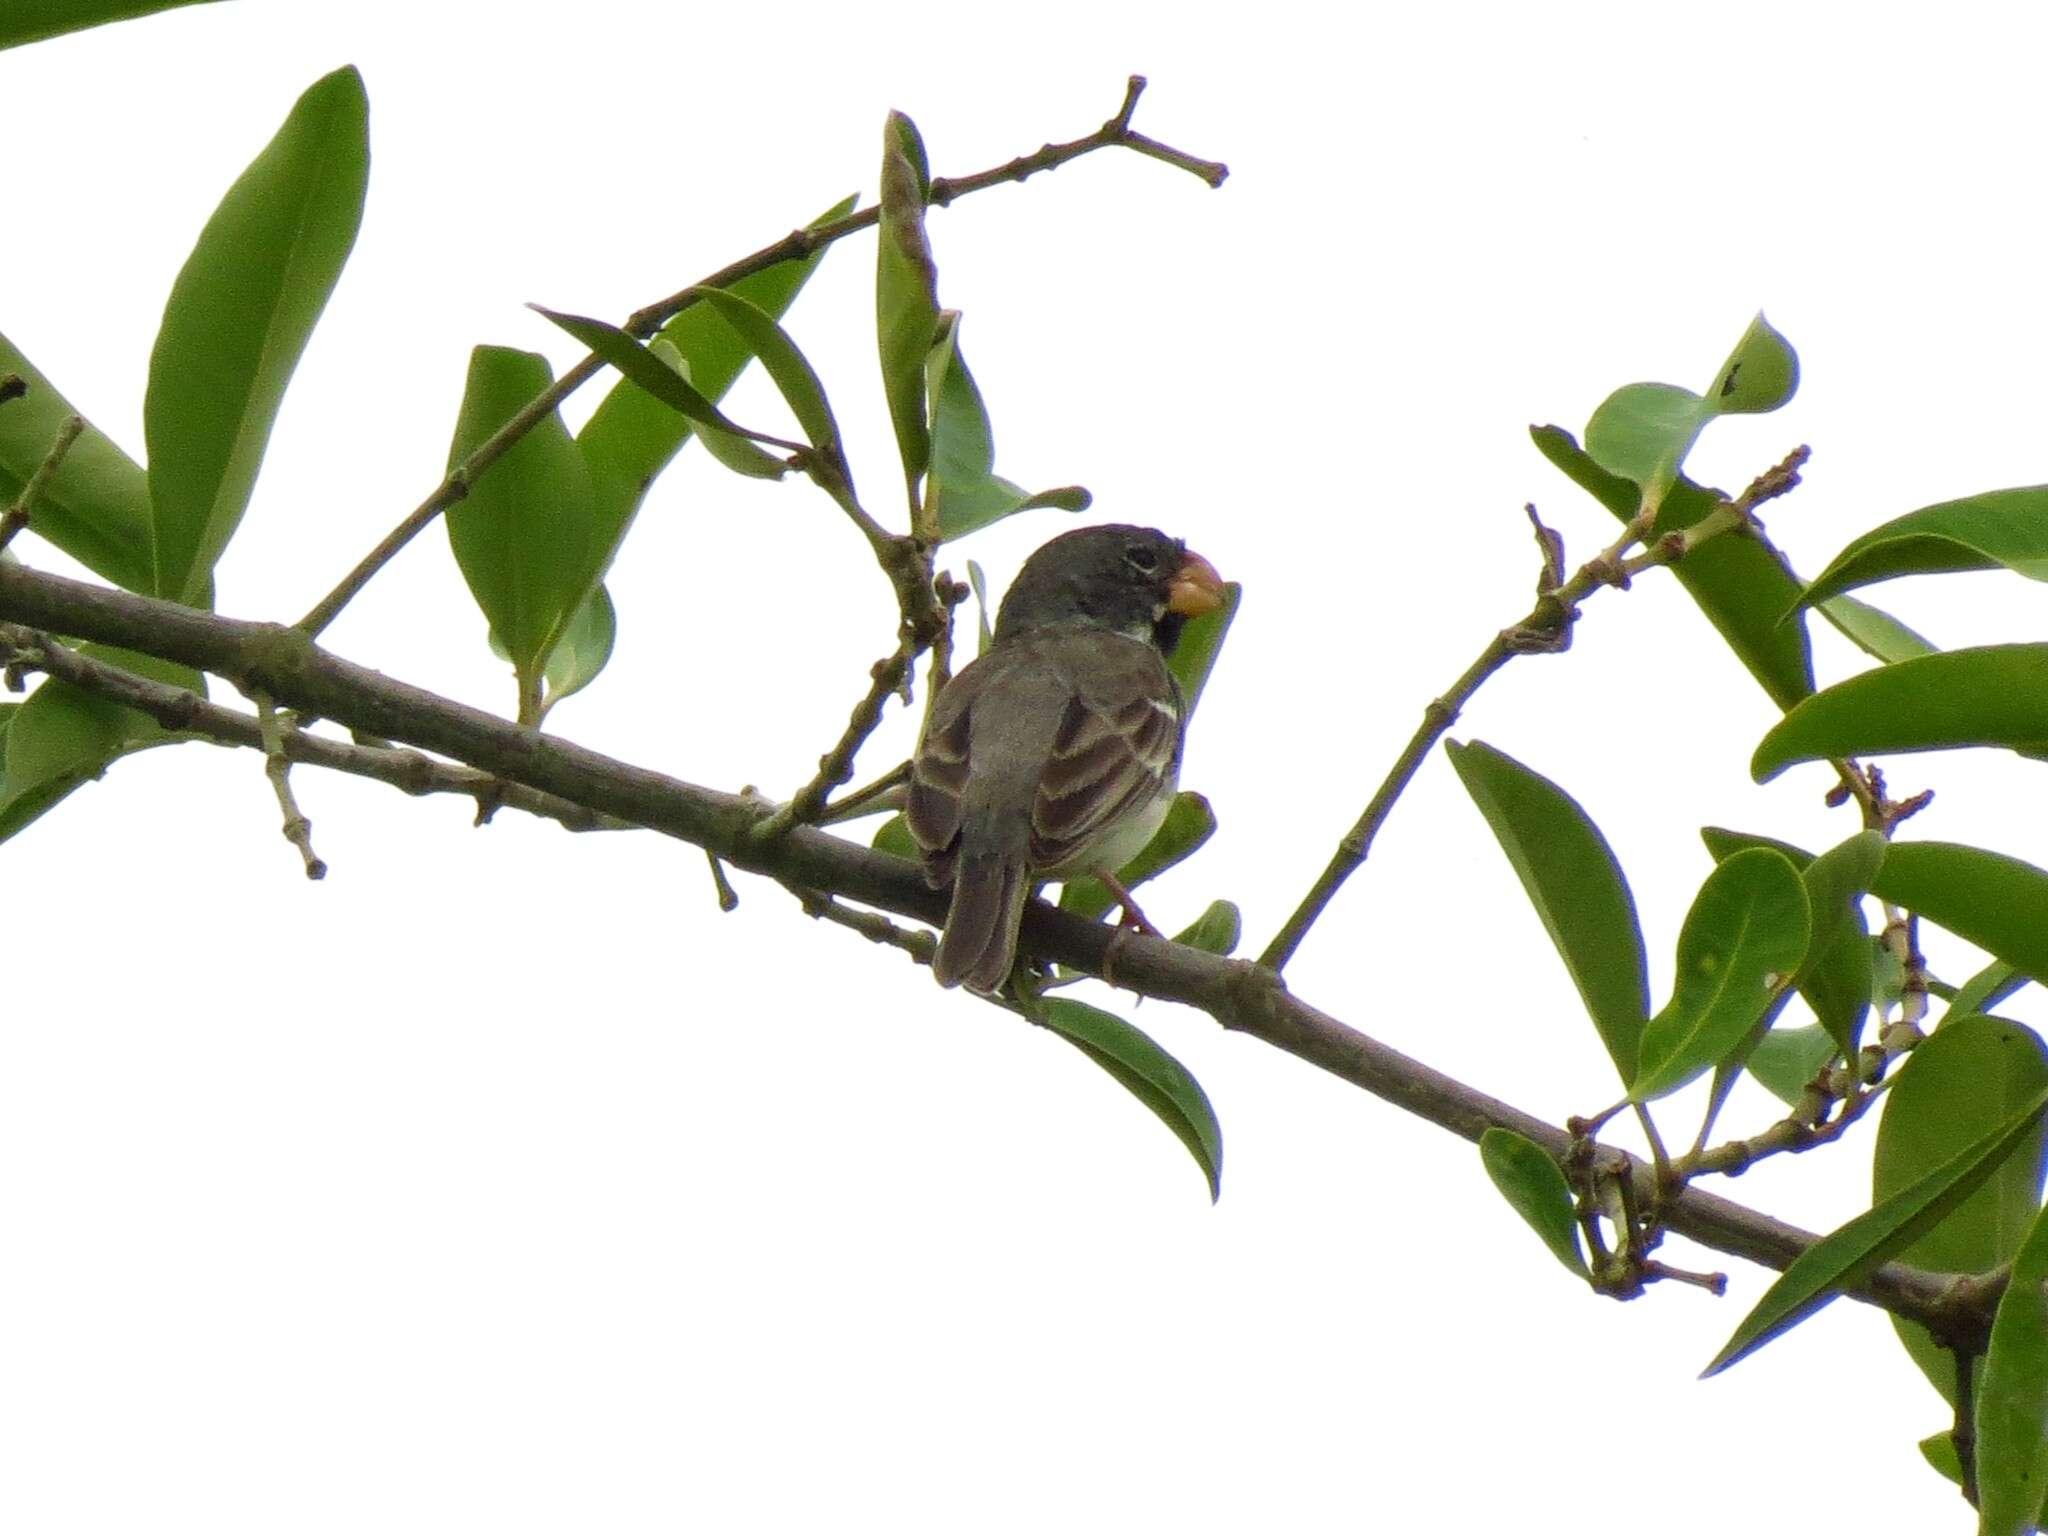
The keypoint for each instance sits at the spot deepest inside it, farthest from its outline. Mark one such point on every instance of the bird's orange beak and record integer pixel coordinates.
(1196, 588)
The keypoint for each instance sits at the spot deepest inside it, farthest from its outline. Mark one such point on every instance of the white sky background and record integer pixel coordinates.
(500, 1183)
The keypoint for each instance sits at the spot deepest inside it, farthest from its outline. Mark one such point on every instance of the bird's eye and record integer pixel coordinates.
(1142, 558)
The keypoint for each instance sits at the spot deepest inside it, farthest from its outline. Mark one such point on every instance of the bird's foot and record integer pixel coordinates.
(1129, 919)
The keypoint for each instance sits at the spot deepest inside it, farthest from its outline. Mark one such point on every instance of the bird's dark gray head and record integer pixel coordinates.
(1134, 580)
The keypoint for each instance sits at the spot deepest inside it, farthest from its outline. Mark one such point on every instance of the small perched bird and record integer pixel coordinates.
(1057, 753)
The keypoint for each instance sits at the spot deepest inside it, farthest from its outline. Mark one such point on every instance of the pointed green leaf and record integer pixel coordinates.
(1535, 1186)
(1741, 945)
(583, 650)
(238, 317)
(1740, 584)
(1998, 903)
(1154, 1078)
(1576, 886)
(1216, 931)
(1836, 979)
(2012, 1397)
(30, 21)
(1785, 1060)
(1960, 1084)
(1996, 529)
(1847, 1256)
(792, 372)
(1642, 432)
(521, 533)
(1985, 990)
(906, 295)
(631, 436)
(1189, 824)
(662, 380)
(1874, 631)
(984, 636)
(962, 491)
(63, 737)
(1200, 643)
(1985, 696)
(96, 507)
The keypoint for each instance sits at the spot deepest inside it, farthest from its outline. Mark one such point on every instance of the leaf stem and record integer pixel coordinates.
(17, 516)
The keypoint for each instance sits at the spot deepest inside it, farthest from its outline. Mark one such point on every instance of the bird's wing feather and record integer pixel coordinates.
(1117, 748)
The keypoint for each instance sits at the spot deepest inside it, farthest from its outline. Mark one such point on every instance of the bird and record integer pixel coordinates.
(1056, 753)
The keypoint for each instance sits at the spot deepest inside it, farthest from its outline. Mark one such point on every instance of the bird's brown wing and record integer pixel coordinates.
(1117, 748)
(938, 773)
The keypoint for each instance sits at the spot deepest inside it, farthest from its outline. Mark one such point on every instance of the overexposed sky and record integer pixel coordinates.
(500, 1183)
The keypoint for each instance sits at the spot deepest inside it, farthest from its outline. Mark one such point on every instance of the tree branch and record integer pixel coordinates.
(1238, 994)
(1547, 627)
(643, 323)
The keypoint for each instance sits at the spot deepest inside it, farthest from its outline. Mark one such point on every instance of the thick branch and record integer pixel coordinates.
(1237, 993)
(184, 712)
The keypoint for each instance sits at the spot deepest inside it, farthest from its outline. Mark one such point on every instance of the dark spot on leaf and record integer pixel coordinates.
(1728, 384)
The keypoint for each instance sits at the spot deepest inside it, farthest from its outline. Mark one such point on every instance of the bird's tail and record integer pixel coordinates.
(980, 942)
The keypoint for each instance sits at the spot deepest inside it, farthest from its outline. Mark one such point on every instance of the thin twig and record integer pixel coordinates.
(1546, 628)
(836, 766)
(728, 898)
(917, 943)
(298, 827)
(794, 246)
(17, 516)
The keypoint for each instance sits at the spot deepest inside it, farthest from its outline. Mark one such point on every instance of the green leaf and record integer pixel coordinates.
(1642, 432)
(1189, 823)
(893, 837)
(789, 368)
(631, 436)
(1216, 931)
(1874, 631)
(985, 637)
(1940, 1453)
(1200, 643)
(583, 650)
(1741, 945)
(96, 506)
(1960, 1084)
(1986, 990)
(2012, 1397)
(1154, 1078)
(1997, 529)
(63, 737)
(522, 531)
(1835, 978)
(962, 491)
(1785, 1060)
(238, 317)
(906, 295)
(1998, 903)
(1740, 584)
(1847, 1256)
(30, 21)
(667, 384)
(1985, 696)
(1535, 1186)
(1576, 886)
